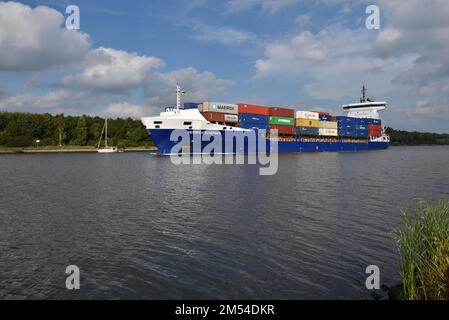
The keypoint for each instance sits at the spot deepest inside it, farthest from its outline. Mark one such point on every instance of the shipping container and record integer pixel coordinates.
(307, 123)
(324, 117)
(220, 117)
(346, 120)
(282, 112)
(361, 127)
(363, 121)
(218, 107)
(190, 105)
(374, 133)
(328, 124)
(252, 118)
(374, 121)
(283, 130)
(375, 127)
(347, 127)
(231, 118)
(307, 131)
(322, 113)
(361, 133)
(307, 115)
(254, 126)
(346, 133)
(254, 109)
(282, 121)
(328, 132)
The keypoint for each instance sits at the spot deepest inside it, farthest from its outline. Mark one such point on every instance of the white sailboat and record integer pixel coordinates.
(106, 149)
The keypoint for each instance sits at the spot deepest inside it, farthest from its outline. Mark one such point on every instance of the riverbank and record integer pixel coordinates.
(69, 149)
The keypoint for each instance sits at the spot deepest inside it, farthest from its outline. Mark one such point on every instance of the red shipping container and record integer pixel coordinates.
(290, 130)
(282, 112)
(375, 127)
(214, 116)
(254, 109)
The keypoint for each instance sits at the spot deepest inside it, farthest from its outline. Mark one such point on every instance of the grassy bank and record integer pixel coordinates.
(423, 244)
(68, 149)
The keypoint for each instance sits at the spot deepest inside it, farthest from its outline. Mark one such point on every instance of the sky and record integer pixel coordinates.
(127, 56)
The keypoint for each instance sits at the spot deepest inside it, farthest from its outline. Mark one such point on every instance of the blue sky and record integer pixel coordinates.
(128, 55)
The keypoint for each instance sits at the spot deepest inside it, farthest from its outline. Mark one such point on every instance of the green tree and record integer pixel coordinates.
(80, 138)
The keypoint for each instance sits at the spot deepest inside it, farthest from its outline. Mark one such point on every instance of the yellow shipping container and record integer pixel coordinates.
(307, 123)
(328, 124)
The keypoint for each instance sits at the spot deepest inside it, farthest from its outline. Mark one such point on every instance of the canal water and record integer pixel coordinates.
(138, 226)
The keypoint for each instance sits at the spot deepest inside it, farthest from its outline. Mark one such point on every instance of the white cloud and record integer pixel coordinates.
(113, 70)
(55, 101)
(33, 39)
(160, 87)
(222, 35)
(124, 110)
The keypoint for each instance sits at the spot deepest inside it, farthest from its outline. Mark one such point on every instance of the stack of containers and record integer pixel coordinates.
(253, 117)
(190, 105)
(283, 120)
(328, 128)
(219, 112)
(346, 126)
(374, 130)
(307, 123)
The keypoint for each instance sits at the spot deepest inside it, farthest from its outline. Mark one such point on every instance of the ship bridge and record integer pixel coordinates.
(366, 108)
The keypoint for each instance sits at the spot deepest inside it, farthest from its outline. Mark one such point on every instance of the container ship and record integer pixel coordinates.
(289, 129)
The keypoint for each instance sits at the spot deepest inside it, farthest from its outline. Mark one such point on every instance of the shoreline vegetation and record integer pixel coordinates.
(423, 246)
(19, 133)
(28, 132)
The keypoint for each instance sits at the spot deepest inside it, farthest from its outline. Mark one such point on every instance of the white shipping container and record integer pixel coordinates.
(328, 132)
(328, 124)
(232, 118)
(307, 115)
(219, 107)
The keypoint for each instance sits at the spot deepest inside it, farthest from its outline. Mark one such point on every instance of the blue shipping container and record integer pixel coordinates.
(324, 117)
(254, 126)
(253, 118)
(374, 121)
(342, 119)
(346, 133)
(190, 105)
(347, 127)
(307, 131)
(362, 127)
(361, 134)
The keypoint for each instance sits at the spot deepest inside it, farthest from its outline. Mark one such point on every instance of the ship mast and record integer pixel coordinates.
(179, 94)
(363, 94)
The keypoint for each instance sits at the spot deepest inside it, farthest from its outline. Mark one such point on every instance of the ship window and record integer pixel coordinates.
(224, 128)
(188, 123)
(157, 122)
(157, 126)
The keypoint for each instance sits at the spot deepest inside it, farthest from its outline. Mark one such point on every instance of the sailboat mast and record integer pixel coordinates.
(106, 134)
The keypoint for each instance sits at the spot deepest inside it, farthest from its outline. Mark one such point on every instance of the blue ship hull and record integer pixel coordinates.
(161, 138)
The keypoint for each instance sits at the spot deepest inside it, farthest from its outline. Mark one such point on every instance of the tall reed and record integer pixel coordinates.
(423, 244)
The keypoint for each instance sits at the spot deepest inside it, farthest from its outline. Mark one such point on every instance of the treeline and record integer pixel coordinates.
(23, 129)
(399, 137)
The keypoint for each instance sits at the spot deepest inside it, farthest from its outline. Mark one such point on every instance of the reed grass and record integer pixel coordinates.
(423, 245)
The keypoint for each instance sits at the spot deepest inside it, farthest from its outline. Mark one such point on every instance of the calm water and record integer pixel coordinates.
(139, 227)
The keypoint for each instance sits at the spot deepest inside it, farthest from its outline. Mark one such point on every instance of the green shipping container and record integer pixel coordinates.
(282, 121)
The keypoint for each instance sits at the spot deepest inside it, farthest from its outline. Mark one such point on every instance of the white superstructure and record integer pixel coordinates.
(366, 108)
(188, 119)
